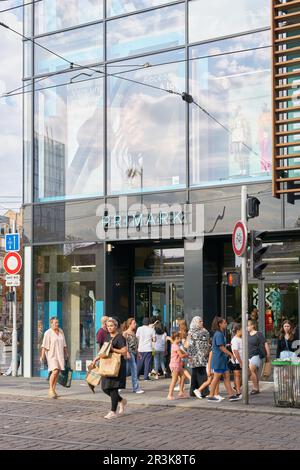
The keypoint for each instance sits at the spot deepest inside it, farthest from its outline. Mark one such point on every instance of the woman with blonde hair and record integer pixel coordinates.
(54, 349)
(129, 329)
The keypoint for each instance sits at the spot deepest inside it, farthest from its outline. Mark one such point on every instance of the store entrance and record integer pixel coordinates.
(161, 299)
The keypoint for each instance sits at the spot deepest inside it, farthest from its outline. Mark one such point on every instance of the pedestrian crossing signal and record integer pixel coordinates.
(233, 279)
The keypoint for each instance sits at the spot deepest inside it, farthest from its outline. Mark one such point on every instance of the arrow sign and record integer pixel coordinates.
(12, 242)
(12, 263)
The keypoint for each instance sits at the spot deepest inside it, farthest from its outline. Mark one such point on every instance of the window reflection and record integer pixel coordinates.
(68, 138)
(52, 15)
(81, 46)
(145, 32)
(233, 142)
(146, 128)
(119, 7)
(207, 21)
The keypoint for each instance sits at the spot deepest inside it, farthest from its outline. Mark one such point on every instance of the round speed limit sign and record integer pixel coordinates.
(239, 238)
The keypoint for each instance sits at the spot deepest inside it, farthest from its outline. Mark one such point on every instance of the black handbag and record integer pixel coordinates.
(65, 376)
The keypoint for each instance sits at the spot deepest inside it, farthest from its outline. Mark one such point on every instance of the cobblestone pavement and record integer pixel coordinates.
(37, 423)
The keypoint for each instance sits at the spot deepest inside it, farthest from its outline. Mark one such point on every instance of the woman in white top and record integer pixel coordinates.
(237, 351)
(160, 350)
(54, 349)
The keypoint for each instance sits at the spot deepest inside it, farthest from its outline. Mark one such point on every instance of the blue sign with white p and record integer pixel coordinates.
(12, 242)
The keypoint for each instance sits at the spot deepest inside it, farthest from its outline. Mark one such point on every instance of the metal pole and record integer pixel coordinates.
(14, 362)
(245, 302)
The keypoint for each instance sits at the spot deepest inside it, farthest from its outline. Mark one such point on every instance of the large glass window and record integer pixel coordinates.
(68, 137)
(80, 46)
(68, 283)
(230, 133)
(206, 20)
(146, 32)
(146, 127)
(120, 7)
(52, 15)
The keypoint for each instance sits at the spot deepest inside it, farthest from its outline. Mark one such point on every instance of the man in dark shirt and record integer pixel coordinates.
(102, 333)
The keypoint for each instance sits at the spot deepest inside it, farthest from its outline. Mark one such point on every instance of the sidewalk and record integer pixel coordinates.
(155, 395)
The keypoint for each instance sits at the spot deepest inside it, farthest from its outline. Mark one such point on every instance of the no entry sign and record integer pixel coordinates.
(12, 263)
(239, 238)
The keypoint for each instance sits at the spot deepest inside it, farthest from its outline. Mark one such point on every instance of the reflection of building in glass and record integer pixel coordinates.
(51, 181)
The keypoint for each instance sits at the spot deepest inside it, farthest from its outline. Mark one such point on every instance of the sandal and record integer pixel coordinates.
(254, 392)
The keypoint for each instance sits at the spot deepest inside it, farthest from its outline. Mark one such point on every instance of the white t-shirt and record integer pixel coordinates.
(145, 334)
(160, 342)
(237, 345)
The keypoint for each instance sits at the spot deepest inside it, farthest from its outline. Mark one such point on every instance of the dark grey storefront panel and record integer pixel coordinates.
(193, 282)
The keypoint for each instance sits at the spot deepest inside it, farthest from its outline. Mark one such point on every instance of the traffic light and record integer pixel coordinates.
(257, 250)
(252, 207)
(233, 279)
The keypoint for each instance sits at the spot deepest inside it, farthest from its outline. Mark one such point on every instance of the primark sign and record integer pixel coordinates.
(157, 221)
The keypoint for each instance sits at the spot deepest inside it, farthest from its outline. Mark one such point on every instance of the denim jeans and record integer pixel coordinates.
(132, 367)
(159, 361)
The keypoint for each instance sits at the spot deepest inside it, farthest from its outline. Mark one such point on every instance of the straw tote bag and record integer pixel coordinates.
(110, 366)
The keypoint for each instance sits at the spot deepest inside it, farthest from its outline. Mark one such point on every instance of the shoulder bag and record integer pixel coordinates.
(110, 366)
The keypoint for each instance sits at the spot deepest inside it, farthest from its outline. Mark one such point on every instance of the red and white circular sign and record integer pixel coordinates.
(12, 263)
(239, 238)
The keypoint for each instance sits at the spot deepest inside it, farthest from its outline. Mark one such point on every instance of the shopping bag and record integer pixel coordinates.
(93, 378)
(266, 371)
(65, 376)
(110, 366)
(105, 349)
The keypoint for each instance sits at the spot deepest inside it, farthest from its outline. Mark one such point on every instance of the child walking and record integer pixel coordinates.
(176, 367)
(207, 383)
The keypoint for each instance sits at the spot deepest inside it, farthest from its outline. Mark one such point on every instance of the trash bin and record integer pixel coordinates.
(283, 383)
(296, 383)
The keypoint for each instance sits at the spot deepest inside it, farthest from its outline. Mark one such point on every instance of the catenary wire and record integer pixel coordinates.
(124, 78)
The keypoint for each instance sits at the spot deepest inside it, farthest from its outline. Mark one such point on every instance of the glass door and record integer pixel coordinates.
(176, 304)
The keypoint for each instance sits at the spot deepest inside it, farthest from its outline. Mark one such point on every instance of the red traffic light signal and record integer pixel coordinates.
(233, 279)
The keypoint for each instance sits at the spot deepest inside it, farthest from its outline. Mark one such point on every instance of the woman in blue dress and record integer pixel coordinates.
(219, 362)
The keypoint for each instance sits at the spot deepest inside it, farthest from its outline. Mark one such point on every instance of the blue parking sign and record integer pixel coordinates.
(12, 242)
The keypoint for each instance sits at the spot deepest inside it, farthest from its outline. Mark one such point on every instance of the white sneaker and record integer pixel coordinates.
(198, 394)
(139, 391)
(111, 415)
(219, 397)
(177, 388)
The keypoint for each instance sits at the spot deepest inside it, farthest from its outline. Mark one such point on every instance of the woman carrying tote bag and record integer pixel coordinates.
(110, 385)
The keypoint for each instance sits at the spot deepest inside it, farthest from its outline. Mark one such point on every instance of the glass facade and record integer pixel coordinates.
(53, 15)
(80, 46)
(68, 137)
(146, 32)
(120, 126)
(121, 7)
(231, 128)
(241, 15)
(146, 126)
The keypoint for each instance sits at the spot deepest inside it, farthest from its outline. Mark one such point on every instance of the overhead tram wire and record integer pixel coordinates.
(185, 96)
(146, 65)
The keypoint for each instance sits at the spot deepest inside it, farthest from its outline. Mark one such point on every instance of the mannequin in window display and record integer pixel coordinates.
(264, 138)
(239, 130)
(87, 318)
